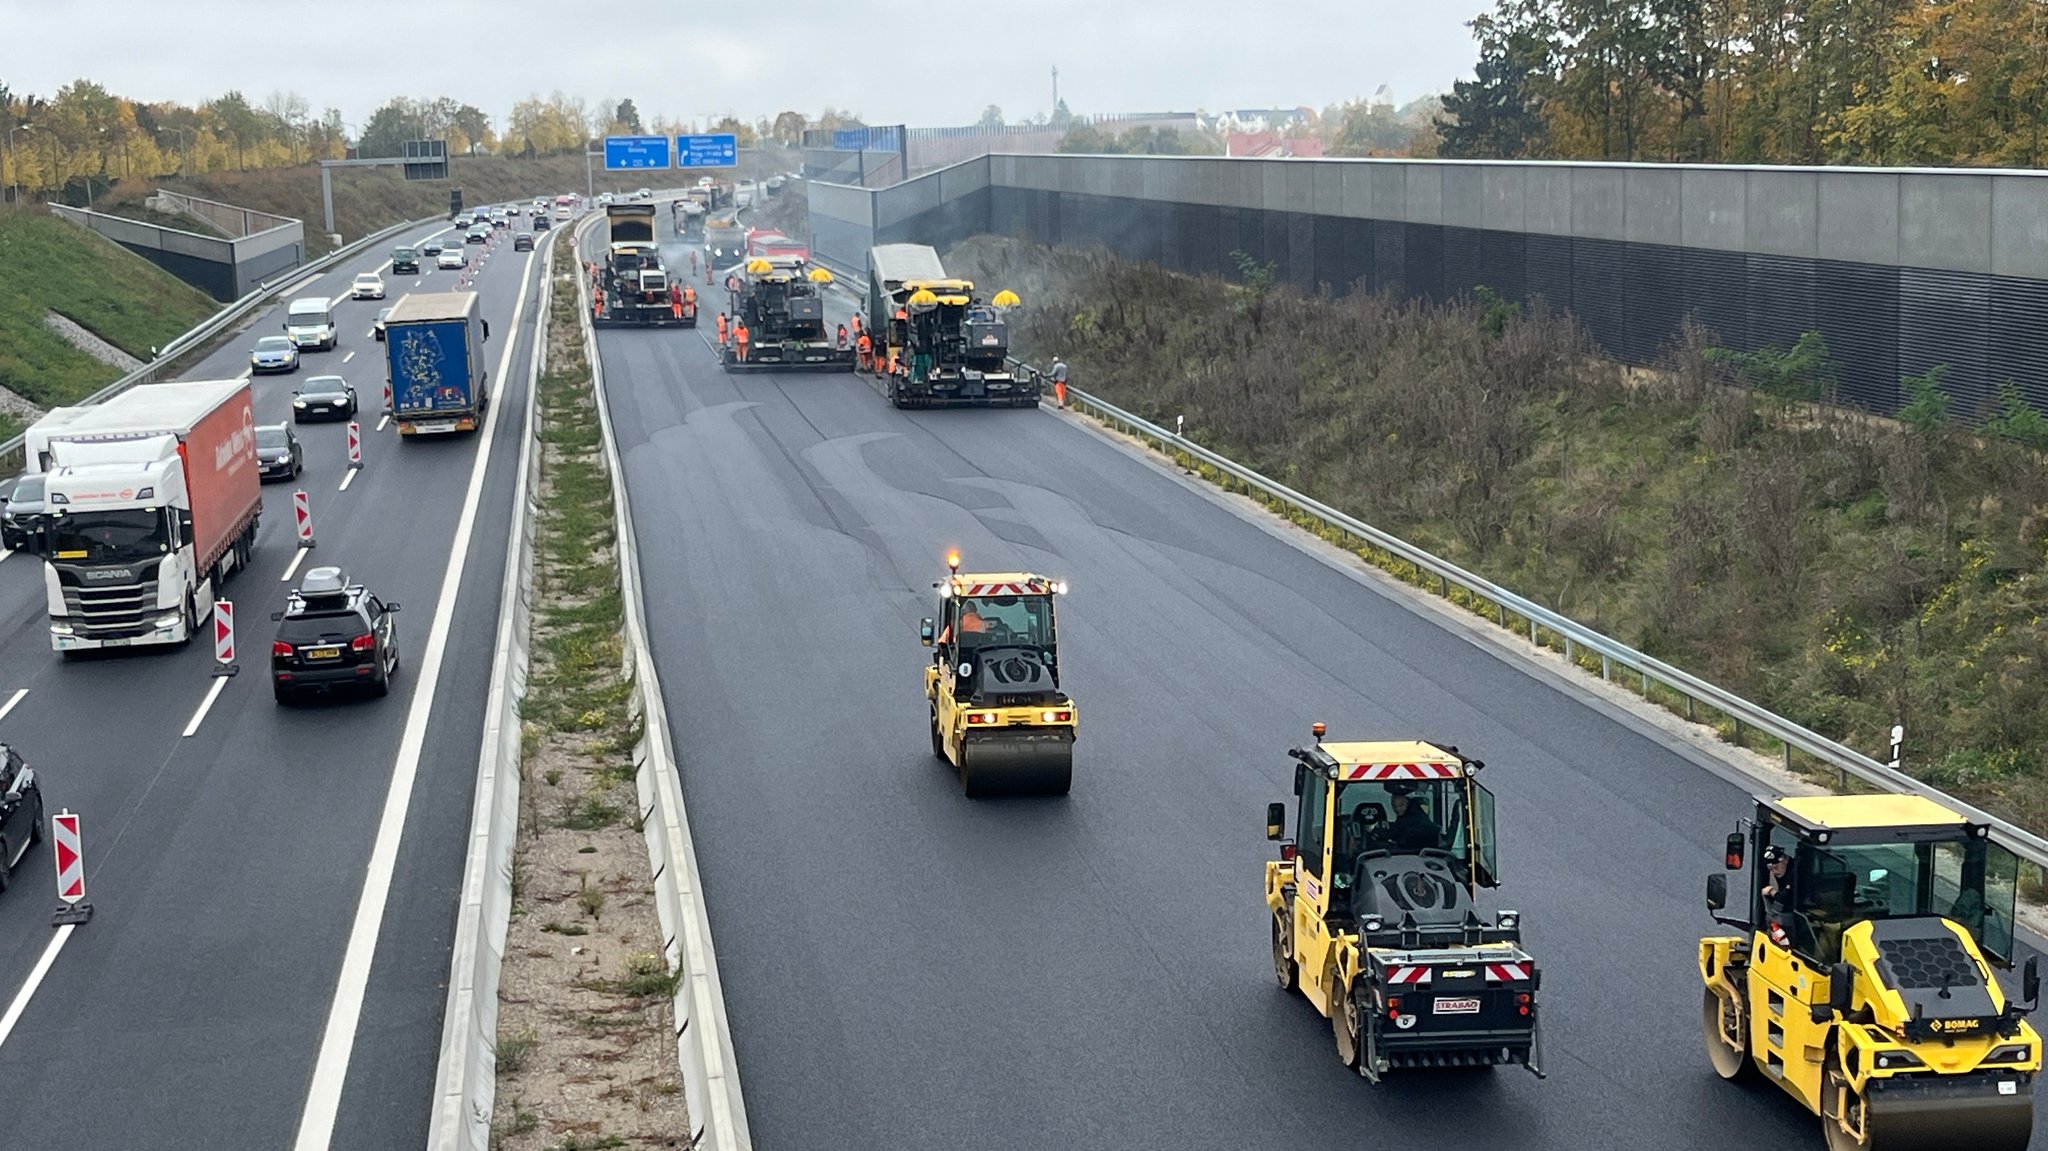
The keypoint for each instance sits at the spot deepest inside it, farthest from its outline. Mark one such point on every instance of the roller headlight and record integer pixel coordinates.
(1895, 1060)
(1509, 920)
(2010, 1053)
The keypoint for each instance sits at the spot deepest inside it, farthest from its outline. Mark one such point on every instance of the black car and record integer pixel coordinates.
(333, 633)
(541, 224)
(278, 456)
(22, 513)
(405, 262)
(523, 242)
(431, 248)
(377, 329)
(477, 234)
(21, 811)
(324, 398)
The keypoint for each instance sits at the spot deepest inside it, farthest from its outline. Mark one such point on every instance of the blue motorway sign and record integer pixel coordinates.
(628, 152)
(717, 150)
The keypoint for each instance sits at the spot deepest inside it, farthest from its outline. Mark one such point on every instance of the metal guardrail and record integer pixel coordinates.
(711, 1083)
(466, 1076)
(1847, 761)
(219, 322)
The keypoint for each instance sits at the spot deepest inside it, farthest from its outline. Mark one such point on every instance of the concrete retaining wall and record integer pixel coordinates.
(227, 269)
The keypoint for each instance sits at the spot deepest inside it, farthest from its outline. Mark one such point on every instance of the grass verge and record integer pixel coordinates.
(50, 265)
(586, 1050)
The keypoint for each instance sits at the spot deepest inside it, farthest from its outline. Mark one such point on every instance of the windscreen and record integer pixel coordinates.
(1007, 620)
(270, 439)
(1971, 882)
(29, 488)
(1402, 816)
(126, 535)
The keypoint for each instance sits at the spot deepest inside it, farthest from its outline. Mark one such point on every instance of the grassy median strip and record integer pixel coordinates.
(586, 1050)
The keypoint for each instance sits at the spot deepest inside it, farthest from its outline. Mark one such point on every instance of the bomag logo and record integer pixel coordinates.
(1955, 1025)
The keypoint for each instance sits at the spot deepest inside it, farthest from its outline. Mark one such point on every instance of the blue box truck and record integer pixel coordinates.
(435, 363)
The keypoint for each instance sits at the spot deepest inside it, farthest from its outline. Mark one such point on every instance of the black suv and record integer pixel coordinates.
(21, 811)
(333, 633)
(22, 512)
(405, 262)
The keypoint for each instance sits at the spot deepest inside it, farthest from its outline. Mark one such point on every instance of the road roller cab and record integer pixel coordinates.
(1374, 912)
(1862, 983)
(998, 714)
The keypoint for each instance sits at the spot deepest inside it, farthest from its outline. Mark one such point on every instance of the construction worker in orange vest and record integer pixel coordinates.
(842, 337)
(856, 324)
(721, 329)
(675, 300)
(1059, 380)
(739, 338)
(864, 352)
(596, 302)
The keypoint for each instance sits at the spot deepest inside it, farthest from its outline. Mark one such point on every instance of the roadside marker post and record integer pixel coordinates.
(388, 402)
(224, 638)
(302, 509)
(70, 856)
(355, 444)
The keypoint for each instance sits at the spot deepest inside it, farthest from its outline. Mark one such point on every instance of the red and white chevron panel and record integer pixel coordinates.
(1411, 974)
(1403, 771)
(996, 589)
(1508, 972)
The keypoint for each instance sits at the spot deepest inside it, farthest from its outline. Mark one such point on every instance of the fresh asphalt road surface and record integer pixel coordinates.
(225, 868)
(906, 969)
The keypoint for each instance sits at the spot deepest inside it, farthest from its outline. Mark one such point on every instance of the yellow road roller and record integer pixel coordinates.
(1374, 915)
(998, 714)
(1862, 981)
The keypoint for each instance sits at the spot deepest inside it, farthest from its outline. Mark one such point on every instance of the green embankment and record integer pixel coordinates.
(49, 265)
(1847, 571)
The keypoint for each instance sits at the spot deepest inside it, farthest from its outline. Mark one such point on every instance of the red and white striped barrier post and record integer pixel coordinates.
(224, 638)
(355, 444)
(389, 404)
(70, 857)
(303, 511)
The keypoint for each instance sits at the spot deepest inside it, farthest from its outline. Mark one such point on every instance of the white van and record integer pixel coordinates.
(310, 323)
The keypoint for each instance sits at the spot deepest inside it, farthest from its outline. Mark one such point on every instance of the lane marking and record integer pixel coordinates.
(292, 568)
(348, 477)
(352, 355)
(330, 1071)
(206, 705)
(35, 979)
(9, 705)
(383, 420)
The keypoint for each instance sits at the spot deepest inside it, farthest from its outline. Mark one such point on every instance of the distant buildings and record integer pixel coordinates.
(1270, 145)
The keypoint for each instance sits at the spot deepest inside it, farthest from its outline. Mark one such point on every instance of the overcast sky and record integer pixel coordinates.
(893, 61)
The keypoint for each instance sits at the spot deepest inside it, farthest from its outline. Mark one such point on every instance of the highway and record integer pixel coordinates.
(906, 969)
(226, 868)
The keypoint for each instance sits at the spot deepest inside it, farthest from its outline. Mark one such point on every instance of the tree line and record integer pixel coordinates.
(1874, 82)
(85, 137)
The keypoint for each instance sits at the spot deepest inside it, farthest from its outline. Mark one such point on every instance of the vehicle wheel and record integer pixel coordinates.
(1835, 1096)
(1344, 1026)
(1718, 1014)
(381, 685)
(280, 693)
(1285, 971)
(938, 740)
(191, 622)
(6, 855)
(35, 827)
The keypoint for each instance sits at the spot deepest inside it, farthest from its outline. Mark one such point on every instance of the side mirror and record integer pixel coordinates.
(391, 607)
(1717, 892)
(2030, 981)
(925, 632)
(1841, 987)
(1300, 774)
(1733, 858)
(1276, 820)
(286, 325)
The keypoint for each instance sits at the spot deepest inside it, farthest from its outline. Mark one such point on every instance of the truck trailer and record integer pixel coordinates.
(154, 501)
(434, 359)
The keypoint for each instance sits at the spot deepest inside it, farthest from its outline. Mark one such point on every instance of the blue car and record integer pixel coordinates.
(274, 354)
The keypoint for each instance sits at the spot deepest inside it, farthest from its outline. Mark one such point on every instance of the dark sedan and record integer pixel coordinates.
(278, 455)
(333, 633)
(523, 242)
(324, 398)
(21, 811)
(22, 513)
(431, 248)
(540, 224)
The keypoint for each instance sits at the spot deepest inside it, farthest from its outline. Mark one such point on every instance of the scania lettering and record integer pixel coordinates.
(153, 503)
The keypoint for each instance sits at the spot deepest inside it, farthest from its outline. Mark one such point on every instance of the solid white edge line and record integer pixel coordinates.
(330, 1071)
(291, 569)
(12, 700)
(35, 979)
(348, 476)
(205, 705)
